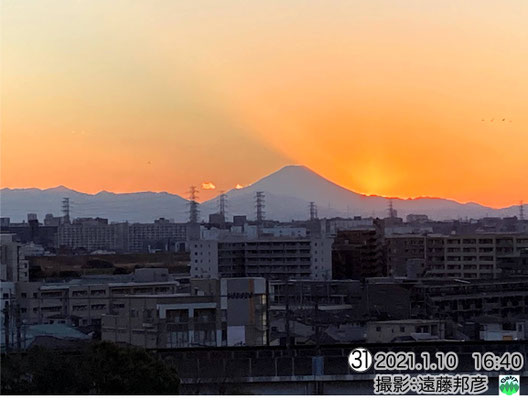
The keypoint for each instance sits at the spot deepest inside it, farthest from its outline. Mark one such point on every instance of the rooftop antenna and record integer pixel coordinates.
(193, 205)
(313, 211)
(521, 211)
(66, 209)
(260, 205)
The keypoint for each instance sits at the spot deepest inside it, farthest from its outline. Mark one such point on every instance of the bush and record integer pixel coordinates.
(97, 263)
(101, 368)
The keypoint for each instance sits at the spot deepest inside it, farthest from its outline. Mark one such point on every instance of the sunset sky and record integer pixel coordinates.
(401, 98)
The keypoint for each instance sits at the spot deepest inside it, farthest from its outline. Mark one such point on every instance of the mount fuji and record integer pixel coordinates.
(288, 193)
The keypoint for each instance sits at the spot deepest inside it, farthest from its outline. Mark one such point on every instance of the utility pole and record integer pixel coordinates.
(317, 360)
(6, 328)
(287, 294)
(316, 322)
(267, 314)
(18, 328)
(129, 321)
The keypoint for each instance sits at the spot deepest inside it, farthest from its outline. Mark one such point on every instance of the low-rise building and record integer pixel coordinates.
(461, 300)
(226, 312)
(405, 330)
(495, 329)
(82, 302)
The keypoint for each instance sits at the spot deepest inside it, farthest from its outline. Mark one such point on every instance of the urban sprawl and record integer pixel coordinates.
(255, 282)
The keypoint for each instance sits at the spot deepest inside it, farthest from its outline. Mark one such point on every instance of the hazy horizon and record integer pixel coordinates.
(216, 192)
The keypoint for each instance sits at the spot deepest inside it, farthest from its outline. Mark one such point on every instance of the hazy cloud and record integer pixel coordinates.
(208, 186)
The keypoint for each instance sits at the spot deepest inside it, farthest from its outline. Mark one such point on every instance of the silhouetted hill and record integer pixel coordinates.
(288, 193)
(134, 207)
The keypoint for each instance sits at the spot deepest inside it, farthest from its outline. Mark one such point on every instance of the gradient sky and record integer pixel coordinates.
(401, 98)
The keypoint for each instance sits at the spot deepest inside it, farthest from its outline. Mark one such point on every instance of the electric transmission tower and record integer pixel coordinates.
(313, 211)
(260, 206)
(66, 209)
(222, 203)
(392, 211)
(193, 205)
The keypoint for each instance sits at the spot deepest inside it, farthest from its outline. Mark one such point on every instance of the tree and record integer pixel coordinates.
(100, 368)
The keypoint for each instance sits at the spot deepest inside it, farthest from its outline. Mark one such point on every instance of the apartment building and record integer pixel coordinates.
(299, 294)
(83, 301)
(161, 233)
(7, 297)
(93, 234)
(461, 300)
(167, 320)
(358, 253)
(470, 256)
(272, 258)
(475, 256)
(199, 312)
(402, 251)
(226, 312)
(13, 265)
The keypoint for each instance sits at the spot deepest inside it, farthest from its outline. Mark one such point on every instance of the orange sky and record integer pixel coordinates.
(400, 98)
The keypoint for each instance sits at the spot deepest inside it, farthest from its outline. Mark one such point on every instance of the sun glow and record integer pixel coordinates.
(395, 98)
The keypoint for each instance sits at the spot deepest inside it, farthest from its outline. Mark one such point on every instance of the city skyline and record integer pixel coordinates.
(128, 97)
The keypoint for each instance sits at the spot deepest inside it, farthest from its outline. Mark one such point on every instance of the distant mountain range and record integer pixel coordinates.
(288, 193)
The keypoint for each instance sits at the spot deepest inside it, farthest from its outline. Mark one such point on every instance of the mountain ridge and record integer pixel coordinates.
(288, 191)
